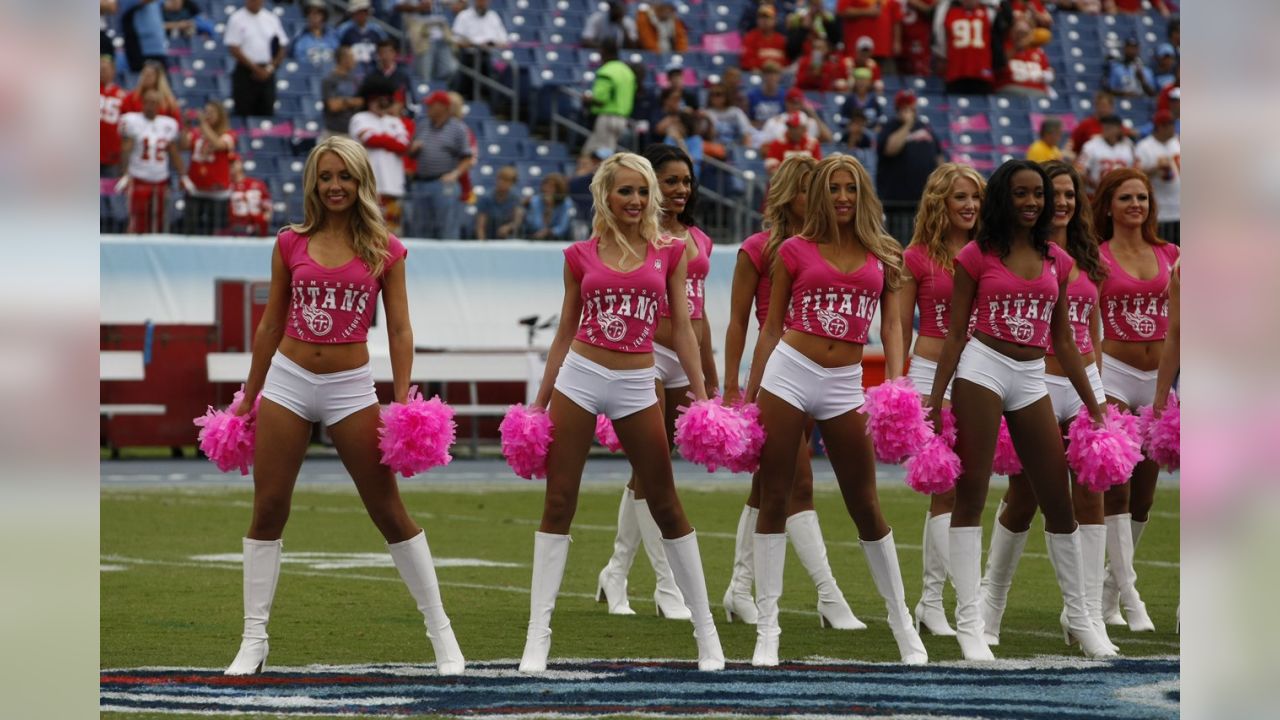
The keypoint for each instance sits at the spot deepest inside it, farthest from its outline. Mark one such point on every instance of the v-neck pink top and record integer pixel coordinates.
(754, 247)
(1082, 298)
(826, 302)
(331, 305)
(695, 278)
(1136, 310)
(1009, 307)
(620, 309)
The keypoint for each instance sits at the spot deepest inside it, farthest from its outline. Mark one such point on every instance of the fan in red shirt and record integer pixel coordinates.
(796, 142)
(765, 43)
(862, 59)
(1027, 71)
(1134, 7)
(917, 35)
(110, 98)
(967, 39)
(820, 69)
(874, 19)
(208, 181)
(1104, 104)
(250, 206)
(152, 76)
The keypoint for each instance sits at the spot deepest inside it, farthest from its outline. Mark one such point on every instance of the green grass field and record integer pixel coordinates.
(161, 605)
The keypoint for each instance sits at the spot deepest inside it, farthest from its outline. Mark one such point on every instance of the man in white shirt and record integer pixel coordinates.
(476, 30)
(148, 145)
(384, 135)
(1160, 157)
(257, 41)
(1104, 152)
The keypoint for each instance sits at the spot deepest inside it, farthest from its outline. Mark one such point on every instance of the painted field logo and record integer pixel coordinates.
(1042, 688)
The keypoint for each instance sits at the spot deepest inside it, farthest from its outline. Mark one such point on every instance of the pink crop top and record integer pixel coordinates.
(933, 291)
(620, 309)
(695, 278)
(1136, 310)
(754, 247)
(1011, 308)
(1082, 297)
(826, 302)
(331, 305)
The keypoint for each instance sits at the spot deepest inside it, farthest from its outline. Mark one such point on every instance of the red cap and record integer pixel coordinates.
(795, 119)
(1162, 117)
(795, 93)
(439, 96)
(904, 97)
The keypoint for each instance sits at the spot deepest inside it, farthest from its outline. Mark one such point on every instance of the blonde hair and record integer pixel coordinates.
(821, 226)
(368, 230)
(791, 178)
(933, 222)
(604, 225)
(222, 124)
(167, 98)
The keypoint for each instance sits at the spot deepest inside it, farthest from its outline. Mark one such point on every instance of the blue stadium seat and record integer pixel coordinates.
(493, 148)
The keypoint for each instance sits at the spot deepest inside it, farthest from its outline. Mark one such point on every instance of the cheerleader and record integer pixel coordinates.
(1013, 275)
(602, 362)
(674, 170)
(784, 214)
(1135, 321)
(1071, 231)
(311, 364)
(827, 283)
(946, 220)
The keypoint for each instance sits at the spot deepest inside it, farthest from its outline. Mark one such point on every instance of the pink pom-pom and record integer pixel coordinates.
(1006, 461)
(526, 437)
(606, 435)
(1103, 456)
(226, 438)
(415, 435)
(749, 459)
(896, 420)
(1162, 440)
(935, 467)
(710, 434)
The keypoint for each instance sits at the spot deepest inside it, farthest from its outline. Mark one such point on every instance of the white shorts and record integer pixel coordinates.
(601, 391)
(1066, 401)
(921, 375)
(667, 367)
(821, 392)
(327, 398)
(1018, 383)
(1126, 383)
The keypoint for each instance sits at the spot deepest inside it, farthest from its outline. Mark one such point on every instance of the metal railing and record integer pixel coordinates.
(477, 74)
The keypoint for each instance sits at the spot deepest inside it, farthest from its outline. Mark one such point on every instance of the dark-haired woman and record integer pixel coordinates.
(1012, 276)
(1073, 231)
(635, 524)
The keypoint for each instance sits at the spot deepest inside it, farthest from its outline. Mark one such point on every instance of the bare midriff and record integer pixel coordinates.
(324, 359)
(827, 352)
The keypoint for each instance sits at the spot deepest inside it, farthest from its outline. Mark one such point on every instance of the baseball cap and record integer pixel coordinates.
(1176, 94)
(795, 119)
(1165, 50)
(767, 10)
(673, 66)
(795, 94)
(439, 96)
(865, 43)
(1162, 117)
(904, 97)
(357, 5)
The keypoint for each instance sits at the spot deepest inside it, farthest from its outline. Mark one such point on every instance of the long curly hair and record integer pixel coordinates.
(368, 230)
(791, 179)
(821, 225)
(998, 216)
(1082, 245)
(1111, 182)
(933, 222)
(658, 155)
(605, 225)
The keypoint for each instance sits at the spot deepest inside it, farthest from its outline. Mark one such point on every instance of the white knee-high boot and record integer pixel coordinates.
(550, 552)
(738, 600)
(806, 537)
(261, 572)
(964, 544)
(611, 584)
(882, 558)
(412, 558)
(666, 596)
(1093, 553)
(1002, 562)
(770, 555)
(1064, 554)
(1123, 578)
(929, 611)
(686, 567)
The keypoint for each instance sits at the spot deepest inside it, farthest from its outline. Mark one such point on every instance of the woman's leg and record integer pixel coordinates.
(1093, 551)
(1122, 504)
(854, 463)
(282, 439)
(1008, 538)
